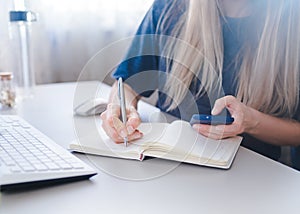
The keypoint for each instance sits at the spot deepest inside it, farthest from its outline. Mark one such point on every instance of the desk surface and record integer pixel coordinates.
(254, 184)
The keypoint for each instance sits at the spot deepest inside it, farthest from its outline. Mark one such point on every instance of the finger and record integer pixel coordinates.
(214, 132)
(103, 115)
(209, 134)
(112, 116)
(113, 110)
(112, 133)
(114, 128)
(228, 130)
(222, 103)
(107, 126)
(231, 130)
(135, 135)
(119, 127)
(133, 120)
(205, 129)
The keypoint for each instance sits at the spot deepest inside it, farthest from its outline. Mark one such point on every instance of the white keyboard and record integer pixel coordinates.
(29, 158)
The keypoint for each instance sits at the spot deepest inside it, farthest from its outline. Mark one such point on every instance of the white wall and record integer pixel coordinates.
(70, 32)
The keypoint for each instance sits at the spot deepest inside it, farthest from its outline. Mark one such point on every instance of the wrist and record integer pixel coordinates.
(253, 121)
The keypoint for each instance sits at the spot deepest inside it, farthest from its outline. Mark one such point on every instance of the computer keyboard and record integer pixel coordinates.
(29, 158)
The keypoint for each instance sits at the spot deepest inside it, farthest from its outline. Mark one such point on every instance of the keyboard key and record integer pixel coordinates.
(65, 166)
(8, 161)
(52, 166)
(15, 169)
(40, 167)
(77, 165)
(28, 168)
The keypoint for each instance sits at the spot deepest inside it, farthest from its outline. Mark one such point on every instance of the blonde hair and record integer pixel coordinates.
(268, 79)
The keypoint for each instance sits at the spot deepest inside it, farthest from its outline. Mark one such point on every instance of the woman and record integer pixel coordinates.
(205, 56)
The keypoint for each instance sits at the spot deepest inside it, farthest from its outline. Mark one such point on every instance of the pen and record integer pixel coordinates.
(122, 104)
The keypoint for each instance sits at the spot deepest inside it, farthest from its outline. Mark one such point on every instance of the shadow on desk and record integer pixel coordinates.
(31, 186)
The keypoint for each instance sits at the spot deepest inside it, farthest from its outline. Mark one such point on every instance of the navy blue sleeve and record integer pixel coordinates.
(141, 58)
(140, 66)
(297, 115)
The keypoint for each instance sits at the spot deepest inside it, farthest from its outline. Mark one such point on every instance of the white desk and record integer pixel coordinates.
(254, 184)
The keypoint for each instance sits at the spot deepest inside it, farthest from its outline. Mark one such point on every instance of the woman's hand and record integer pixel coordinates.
(243, 119)
(114, 127)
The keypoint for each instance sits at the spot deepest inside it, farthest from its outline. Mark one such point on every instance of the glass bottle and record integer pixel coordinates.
(7, 90)
(20, 30)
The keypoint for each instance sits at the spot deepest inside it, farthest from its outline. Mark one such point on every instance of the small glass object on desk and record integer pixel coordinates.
(7, 90)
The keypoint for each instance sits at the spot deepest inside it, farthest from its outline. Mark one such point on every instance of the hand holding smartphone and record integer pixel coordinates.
(211, 119)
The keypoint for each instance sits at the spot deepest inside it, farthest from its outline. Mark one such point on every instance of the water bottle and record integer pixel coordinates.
(21, 66)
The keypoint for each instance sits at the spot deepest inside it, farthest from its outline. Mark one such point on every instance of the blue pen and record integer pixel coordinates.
(121, 94)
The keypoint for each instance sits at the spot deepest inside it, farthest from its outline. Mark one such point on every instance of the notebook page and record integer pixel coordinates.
(182, 139)
(185, 141)
(152, 133)
(101, 144)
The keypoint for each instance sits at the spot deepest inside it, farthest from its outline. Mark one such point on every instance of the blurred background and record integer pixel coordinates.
(68, 33)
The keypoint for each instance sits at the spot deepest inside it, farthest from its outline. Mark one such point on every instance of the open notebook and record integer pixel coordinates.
(175, 141)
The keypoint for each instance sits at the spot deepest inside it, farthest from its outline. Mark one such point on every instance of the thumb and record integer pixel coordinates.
(222, 103)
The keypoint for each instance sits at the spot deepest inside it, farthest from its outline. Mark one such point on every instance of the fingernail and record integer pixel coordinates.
(130, 130)
(116, 122)
(213, 111)
(196, 127)
(123, 133)
(138, 135)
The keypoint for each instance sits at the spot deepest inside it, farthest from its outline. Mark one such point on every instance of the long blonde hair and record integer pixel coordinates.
(269, 71)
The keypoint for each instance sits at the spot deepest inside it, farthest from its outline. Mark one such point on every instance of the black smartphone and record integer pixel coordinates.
(211, 119)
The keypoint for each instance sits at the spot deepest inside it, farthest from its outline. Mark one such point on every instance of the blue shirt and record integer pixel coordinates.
(144, 68)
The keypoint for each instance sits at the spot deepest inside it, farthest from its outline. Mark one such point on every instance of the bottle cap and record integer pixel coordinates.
(6, 76)
(22, 16)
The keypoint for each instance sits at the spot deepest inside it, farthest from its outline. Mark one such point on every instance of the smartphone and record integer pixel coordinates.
(211, 119)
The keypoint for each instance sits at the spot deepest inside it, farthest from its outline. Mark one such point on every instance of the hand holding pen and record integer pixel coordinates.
(112, 122)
